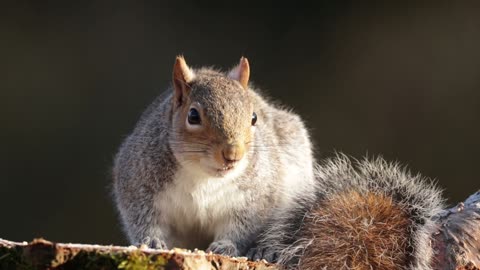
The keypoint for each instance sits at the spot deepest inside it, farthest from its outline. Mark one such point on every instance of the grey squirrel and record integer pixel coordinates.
(213, 165)
(207, 161)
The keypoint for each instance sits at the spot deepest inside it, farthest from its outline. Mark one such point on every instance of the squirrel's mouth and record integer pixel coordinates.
(225, 169)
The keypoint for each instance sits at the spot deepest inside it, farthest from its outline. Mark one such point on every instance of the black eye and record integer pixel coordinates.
(254, 118)
(193, 117)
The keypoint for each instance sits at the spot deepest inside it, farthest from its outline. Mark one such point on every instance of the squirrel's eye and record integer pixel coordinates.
(193, 117)
(254, 118)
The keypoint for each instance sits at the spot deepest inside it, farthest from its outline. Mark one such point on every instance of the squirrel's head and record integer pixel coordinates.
(213, 118)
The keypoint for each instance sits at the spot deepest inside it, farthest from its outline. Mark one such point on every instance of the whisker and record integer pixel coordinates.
(190, 151)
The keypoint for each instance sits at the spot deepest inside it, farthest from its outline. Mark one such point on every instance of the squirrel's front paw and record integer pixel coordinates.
(259, 253)
(154, 242)
(223, 247)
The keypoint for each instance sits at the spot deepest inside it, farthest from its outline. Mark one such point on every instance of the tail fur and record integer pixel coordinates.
(366, 214)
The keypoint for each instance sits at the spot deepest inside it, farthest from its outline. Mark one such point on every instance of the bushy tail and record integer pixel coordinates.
(357, 231)
(366, 214)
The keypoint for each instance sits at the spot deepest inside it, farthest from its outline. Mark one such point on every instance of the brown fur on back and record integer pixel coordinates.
(354, 231)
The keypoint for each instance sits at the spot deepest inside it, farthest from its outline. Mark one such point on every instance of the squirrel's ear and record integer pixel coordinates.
(241, 72)
(182, 75)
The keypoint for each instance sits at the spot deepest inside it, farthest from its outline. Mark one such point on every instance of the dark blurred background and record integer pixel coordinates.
(401, 80)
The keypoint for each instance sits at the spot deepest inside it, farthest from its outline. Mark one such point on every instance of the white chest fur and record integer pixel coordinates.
(196, 202)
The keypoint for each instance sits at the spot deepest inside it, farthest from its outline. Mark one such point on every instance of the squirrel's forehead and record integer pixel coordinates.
(218, 84)
(232, 104)
(226, 95)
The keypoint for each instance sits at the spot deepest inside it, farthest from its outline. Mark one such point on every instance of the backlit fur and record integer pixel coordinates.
(366, 214)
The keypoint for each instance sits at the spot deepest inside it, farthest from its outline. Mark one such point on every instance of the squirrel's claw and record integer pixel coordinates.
(268, 254)
(154, 242)
(223, 247)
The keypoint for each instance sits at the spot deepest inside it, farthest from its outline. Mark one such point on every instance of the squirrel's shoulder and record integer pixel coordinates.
(284, 121)
(147, 138)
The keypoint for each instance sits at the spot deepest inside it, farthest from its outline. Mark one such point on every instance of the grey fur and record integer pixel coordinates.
(417, 195)
(279, 163)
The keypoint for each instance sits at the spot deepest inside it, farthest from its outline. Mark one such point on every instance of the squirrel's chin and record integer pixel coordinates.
(228, 171)
(224, 171)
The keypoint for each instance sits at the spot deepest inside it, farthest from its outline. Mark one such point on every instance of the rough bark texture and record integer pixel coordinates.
(457, 246)
(42, 254)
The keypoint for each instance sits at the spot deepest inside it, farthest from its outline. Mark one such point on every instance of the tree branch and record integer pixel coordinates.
(42, 254)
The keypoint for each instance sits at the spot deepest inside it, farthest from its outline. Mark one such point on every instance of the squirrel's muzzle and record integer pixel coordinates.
(232, 153)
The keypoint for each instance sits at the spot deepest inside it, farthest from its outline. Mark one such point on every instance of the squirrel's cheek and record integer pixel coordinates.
(250, 135)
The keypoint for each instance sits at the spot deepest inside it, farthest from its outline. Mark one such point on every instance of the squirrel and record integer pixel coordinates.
(367, 214)
(213, 165)
(207, 161)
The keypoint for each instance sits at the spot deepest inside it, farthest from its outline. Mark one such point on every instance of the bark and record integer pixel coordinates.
(456, 244)
(42, 254)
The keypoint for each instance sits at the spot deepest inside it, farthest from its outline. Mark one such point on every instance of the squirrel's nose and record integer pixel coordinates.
(232, 153)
